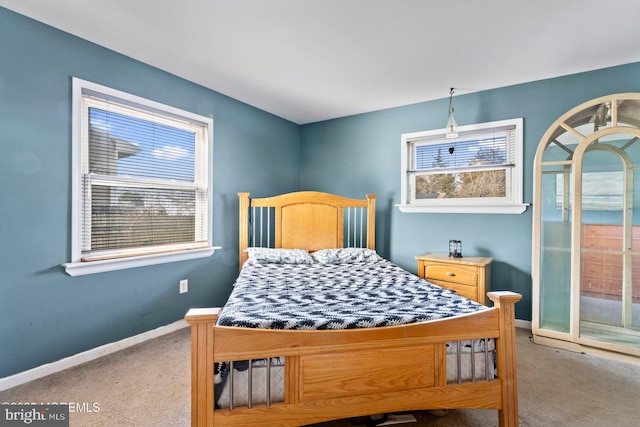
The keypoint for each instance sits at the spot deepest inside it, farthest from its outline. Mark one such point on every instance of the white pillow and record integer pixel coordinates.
(345, 255)
(279, 256)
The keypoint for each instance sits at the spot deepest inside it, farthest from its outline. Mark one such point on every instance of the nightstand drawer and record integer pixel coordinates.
(470, 292)
(458, 274)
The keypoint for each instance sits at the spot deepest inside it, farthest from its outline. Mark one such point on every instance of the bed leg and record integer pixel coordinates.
(506, 356)
(202, 321)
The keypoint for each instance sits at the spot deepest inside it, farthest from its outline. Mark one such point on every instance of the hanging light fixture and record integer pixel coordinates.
(452, 126)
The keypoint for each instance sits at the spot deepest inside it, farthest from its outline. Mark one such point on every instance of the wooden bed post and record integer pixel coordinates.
(506, 356)
(371, 221)
(202, 321)
(243, 238)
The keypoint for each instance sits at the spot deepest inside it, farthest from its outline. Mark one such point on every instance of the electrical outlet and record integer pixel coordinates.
(184, 286)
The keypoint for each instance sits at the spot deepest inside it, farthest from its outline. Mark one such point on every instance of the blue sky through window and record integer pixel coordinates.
(147, 149)
(461, 153)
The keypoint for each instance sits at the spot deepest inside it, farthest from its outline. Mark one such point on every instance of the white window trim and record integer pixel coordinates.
(76, 266)
(81, 268)
(488, 206)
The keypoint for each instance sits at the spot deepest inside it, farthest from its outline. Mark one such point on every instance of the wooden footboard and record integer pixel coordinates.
(347, 373)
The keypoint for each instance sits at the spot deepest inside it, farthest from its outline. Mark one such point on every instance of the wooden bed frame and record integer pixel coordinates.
(347, 373)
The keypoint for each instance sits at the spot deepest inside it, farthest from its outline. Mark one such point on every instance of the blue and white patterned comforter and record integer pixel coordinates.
(336, 296)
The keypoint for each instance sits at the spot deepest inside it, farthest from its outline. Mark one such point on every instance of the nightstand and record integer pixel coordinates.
(468, 276)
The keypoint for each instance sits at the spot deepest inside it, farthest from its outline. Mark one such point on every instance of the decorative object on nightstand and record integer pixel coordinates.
(455, 248)
(468, 276)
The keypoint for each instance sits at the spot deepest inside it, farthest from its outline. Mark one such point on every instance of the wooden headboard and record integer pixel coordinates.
(306, 220)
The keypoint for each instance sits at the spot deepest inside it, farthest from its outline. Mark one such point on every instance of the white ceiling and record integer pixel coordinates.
(311, 60)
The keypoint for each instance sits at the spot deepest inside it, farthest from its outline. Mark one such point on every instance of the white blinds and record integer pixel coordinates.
(471, 150)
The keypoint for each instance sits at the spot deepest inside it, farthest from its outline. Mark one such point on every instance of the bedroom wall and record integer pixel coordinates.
(360, 154)
(46, 315)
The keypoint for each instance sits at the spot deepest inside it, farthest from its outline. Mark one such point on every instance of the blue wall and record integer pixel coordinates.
(45, 314)
(361, 154)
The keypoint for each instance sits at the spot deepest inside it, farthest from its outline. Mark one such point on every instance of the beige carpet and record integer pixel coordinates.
(148, 385)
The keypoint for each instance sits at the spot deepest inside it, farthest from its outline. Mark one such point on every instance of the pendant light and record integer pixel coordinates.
(452, 126)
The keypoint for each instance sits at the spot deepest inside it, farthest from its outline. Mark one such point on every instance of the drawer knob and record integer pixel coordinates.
(449, 273)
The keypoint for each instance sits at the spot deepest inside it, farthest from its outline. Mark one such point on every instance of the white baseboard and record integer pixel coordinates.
(524, 324)
(86, 356)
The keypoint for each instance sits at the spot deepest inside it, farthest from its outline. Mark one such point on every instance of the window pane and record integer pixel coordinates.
(123, 145)
(555, 251)
(124, 217)
(472, 184)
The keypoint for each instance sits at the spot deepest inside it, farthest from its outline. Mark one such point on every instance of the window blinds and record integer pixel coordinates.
(467, 151)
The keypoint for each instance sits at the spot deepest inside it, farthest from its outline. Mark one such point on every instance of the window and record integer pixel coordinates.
(480, 171)
(141, 182)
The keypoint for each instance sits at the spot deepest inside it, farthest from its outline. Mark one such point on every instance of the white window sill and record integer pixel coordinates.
(81, 268)
(481, 209)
